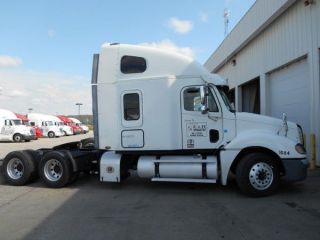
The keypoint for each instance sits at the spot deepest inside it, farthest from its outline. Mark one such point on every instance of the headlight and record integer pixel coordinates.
(301, 137)
(300, 148)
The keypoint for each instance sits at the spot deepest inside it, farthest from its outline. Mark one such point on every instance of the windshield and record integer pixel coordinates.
(17, 122)
(226, 99)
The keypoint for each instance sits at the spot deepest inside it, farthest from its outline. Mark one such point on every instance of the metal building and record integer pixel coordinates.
(271, 62)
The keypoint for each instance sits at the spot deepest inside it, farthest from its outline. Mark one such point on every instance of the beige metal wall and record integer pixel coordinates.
(290, 36)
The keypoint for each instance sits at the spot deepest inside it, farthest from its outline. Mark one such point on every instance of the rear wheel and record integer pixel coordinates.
(258, 175)
(17, 137)
(18, 168)
(55, 169)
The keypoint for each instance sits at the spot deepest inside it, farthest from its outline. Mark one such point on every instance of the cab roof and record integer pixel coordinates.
(159, 63)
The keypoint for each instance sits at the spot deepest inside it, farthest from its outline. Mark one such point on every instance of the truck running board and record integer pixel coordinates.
(183, 180)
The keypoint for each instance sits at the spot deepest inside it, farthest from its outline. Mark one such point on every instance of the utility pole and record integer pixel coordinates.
(79, 105)
(226, 21)
(226, 15)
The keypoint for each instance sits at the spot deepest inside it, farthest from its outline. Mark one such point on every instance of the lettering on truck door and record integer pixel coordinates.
(200, 130)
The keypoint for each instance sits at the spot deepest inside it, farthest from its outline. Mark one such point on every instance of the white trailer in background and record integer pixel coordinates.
(67, 130)
(45, 122)
(12, 129)
(85, 128)
(165, 116)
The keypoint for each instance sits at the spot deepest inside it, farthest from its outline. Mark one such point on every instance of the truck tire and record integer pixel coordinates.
(36, 157)
(51, 134)
(17, 137)
(87, 143)
(55, 169)
(18, 168)
(258, 175)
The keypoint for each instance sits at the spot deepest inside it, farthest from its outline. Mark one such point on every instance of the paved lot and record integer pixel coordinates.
(138, 209)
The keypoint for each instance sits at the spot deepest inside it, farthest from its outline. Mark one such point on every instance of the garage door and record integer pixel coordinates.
(289, 93)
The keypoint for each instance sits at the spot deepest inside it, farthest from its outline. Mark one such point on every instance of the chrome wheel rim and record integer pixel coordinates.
(261, 176)
(15, 168)
(53, 170)
(17, 138)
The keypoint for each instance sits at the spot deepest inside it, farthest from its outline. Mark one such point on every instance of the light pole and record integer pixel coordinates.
(79, 105)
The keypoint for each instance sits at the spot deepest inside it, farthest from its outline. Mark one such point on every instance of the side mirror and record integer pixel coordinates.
(204, 95)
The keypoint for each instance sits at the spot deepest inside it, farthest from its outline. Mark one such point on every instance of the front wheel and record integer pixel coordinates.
(51, 135)
(258, 175)
(17, 137)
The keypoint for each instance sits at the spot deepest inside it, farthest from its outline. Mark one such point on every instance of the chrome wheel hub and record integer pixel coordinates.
(53, 170)
(261, 176)
(15, 168)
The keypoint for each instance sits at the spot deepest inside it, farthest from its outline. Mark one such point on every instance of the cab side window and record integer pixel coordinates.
(131, 106)
(192, 100)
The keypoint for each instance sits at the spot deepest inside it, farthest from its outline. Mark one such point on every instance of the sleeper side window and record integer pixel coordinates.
(192, 100)
(133, 64)
(131, 106)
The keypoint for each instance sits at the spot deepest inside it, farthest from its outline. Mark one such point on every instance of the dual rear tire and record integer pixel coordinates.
(54, 168)
(19, 167)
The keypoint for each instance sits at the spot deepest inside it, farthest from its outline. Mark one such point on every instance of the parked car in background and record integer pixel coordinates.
(12, 129)
(85, 129)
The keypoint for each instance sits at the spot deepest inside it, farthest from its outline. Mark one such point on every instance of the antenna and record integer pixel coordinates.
(226, 15)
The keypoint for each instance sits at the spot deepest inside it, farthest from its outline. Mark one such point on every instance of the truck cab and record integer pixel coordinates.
(67, 130)
(12, 128)
(84, 128)
(46, 124)
(35, 131)
(173, 117)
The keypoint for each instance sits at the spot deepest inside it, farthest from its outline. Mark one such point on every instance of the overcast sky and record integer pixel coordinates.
(46, 46)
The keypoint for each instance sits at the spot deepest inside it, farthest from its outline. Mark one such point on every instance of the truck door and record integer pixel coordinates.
(8, 127)
(201, 130)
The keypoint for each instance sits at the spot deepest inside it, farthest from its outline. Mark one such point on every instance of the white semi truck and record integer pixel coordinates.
(166, 117)
(12, 129)
(84, 127)
(67, 130)
(46, 123)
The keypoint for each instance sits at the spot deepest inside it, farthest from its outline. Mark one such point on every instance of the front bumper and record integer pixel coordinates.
(295, 169)
(29, 137)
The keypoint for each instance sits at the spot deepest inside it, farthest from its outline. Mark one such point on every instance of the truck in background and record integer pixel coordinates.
(165, 116)
(67, 130)
(45, 122)
(85, 128)
(26, 122)
(12, 129)
(68, 122)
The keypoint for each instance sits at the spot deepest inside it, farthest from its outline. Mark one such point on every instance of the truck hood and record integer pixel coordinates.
(251, 121)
